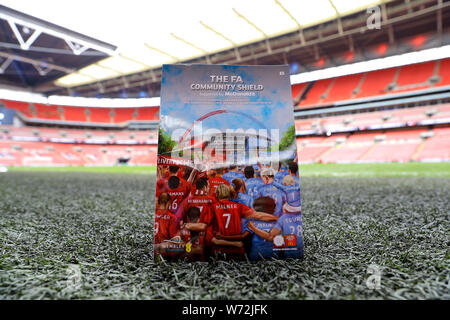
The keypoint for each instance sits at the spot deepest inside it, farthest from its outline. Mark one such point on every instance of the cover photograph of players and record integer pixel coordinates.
(227, 187)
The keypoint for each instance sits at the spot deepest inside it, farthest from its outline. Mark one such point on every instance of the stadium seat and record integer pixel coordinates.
(21, 107)
(47, 112)
(444, 73)
(376, 82)
(436, 148)
(75, 114)
(404, 134)
(415, 73)
(311, 148)
(123, 114)
(343, 88)
(392, 152)
(316, 93)
(100, 115)
(297, 90)
(148, 114)
(345, 153)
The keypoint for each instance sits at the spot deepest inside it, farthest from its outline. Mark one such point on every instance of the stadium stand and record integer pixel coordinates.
(389, 146)
(343, 88)
(21, 107)
(148, 114)
(376, 120)
(59, 154)
(316, 93)
(345, 152)
(437, 147)
(99, 115)
(376, 83)
(74, 114)
(67, 135)
(415, 76)
(444, 73)
(297, 90)
(33, 111)
(47, 112)
(124, 114)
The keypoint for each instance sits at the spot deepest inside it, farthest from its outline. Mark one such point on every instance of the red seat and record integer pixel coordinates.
(77, 114)
(444, 73)
(22, 107)
(297, 89)
(100, 115)
(47, 112)
(437, 148)
(314, 95)
(387, 152)
(415, 73)
(123, 114)
(376, 82)
(343, 87)
(148, 114)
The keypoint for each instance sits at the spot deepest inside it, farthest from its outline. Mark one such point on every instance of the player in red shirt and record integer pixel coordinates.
(177, 191)
(165, 224)
(200, 199)
(194, 241)
(227, 223)
(174, 171)
(215, 180)
(161, 180)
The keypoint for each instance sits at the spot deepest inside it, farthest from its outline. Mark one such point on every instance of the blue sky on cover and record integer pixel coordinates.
(181, 106)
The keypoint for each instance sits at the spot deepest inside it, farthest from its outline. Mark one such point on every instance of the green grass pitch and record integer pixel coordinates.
(394, 215)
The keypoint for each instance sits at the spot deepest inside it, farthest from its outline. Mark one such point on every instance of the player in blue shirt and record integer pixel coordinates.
(252, 183)
(240, 193)
(292, 190)
(256, 169)
(282, 172)
(270, 190)
(290, 225)
(293, 171)
(260, 247)
(233, 173)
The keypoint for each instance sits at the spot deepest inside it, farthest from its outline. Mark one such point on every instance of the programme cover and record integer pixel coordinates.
(227, 175)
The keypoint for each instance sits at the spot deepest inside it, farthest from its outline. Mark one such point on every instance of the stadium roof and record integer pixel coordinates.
(147, 34)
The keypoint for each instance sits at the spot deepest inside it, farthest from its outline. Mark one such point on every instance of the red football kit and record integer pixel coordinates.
(177, 195)
(197, 241)
(214, 182)
(161, 186)
(227, 221)
(200, 200)
(228, 216)
(165, 225)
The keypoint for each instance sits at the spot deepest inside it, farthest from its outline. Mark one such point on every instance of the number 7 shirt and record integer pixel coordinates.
(228, 216)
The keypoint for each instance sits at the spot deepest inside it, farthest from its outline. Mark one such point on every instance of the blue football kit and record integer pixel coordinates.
(231, 175)
(291, 223)
(270, 190)
(280, 175)
(253, 185)
(292, 193)
(244, 199)
(261, 248)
